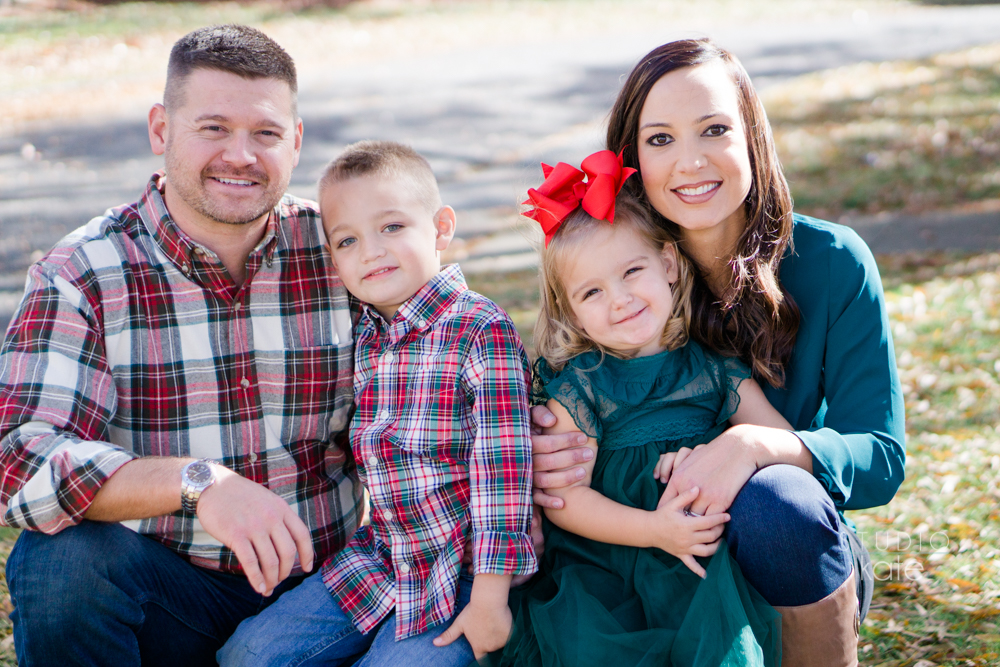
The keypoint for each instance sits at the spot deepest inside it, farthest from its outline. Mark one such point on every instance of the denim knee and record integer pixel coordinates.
(785, 535)
(67, 576)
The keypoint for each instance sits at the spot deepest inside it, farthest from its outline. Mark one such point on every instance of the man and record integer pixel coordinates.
(203, 321)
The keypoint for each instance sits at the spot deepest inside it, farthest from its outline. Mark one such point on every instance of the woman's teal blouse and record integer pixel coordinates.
(842, 392)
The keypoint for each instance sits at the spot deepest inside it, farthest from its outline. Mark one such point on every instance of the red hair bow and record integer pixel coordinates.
(564, 190)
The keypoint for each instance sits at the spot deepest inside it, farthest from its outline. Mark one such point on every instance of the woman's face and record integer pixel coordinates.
(693, 151)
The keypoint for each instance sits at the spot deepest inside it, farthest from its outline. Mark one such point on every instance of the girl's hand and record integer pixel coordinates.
(485, 626)
(555, 458)
(685, 535)
(669, 461)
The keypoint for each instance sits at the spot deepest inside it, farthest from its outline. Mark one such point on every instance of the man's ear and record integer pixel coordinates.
(669, 256)
(158, 129)
(298, 142)
(444, 222)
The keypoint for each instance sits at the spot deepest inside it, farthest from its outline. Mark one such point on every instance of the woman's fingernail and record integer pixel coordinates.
(582, 439)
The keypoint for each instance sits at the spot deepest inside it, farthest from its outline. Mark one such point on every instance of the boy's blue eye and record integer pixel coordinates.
(346, 242)
(393, 227)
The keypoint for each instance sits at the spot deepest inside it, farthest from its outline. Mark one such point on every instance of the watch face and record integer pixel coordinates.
(199, 472)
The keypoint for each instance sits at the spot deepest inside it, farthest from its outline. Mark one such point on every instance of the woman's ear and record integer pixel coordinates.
(444, 223)
(669, 257)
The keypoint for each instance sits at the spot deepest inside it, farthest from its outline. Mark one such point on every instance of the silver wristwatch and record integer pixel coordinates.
(195, 478)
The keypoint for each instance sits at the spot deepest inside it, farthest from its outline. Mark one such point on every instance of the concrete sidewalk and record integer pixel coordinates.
(485, 117)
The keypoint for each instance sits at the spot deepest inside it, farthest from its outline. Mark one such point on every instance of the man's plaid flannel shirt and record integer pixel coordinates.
(133, 341)
(441, 438)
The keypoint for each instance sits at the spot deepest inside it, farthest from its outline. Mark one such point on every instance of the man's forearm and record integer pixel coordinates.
(140, 489)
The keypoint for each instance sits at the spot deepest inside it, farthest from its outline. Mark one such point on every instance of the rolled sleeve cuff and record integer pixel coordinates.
(61, 491)
(503, 552)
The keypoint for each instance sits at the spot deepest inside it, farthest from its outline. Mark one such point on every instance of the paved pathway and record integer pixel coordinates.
(485, 117)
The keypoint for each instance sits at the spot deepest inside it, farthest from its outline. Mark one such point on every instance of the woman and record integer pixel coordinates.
(800, 301)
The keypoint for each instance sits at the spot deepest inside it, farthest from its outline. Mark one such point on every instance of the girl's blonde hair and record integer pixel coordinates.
(557, 338)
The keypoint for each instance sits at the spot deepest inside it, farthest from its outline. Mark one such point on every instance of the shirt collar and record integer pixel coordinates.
(178, 246)
(430, 302)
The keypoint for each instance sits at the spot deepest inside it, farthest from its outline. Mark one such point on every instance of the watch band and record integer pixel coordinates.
(191, 489)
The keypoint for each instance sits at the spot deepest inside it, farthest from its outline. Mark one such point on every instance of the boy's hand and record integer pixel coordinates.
(686, 535)
(486, 621)
(487, 628)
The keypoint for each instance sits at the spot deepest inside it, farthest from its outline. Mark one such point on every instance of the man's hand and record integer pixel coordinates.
(556, 459)
(261, 528)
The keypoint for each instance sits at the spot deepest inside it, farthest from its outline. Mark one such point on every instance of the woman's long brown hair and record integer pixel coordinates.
(755, 319)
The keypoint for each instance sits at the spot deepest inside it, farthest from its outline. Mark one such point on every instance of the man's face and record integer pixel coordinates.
(229, 147)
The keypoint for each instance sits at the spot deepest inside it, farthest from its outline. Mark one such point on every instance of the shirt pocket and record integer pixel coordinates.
(430, 417)
(305, 394)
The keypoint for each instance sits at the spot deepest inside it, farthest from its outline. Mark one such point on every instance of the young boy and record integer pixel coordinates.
(440, 437)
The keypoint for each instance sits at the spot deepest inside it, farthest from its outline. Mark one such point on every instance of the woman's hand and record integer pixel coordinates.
(719, 469)
(723, 466)
(556, 459)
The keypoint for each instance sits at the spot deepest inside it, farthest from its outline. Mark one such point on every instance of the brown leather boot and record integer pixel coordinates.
(824, 633)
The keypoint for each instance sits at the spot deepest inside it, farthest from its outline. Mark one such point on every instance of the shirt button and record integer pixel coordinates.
(237, 305)
(387, 515)
(404, 568)
(199, 251)
(245, 383)
(388, 357)
(185, 268)
(373, 460)
(384, 414)
(421, 323)
(253, 457)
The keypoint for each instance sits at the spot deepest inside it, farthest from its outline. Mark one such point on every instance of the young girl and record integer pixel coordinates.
(621, 582)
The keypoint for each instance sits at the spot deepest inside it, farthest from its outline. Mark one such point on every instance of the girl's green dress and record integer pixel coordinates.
(609, 605)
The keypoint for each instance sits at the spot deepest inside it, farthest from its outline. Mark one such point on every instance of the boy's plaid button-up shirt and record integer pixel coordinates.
(441, 438)
(133, 341)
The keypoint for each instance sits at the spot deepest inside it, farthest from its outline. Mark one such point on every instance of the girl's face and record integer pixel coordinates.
(693, 151)
(618, 286)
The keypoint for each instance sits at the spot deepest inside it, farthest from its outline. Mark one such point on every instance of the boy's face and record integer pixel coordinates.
(385, 242)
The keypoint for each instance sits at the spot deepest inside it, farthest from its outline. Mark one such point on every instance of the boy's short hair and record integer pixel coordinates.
(386, 159)
(236, 49)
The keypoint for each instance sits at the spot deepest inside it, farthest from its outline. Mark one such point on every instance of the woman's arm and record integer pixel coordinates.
(843, 395)
(589, 514)
(760, 436)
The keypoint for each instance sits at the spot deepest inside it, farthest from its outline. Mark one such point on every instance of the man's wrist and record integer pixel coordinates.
(196, 478)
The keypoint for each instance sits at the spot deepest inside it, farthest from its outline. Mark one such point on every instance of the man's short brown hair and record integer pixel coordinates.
(384, 158)
(237, 49)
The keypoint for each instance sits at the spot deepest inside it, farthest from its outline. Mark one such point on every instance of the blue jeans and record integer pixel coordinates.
(790, 543)
(101, 594)
(308, 628)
